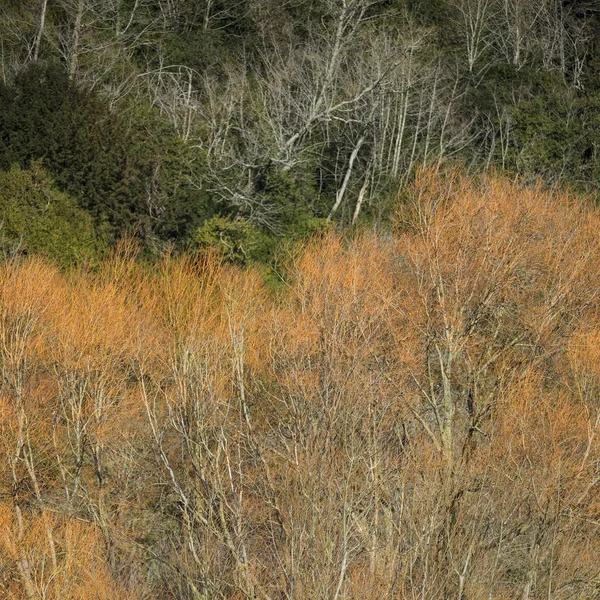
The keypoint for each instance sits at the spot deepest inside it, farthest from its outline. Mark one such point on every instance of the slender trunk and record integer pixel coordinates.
(74, 51)
(342, 190)
(206, 23)
(362, 194)
(40, 33)
(22, 562)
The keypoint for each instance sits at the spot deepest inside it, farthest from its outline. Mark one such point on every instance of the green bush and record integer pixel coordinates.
(37, 218)
(236, 239)
(127, 168)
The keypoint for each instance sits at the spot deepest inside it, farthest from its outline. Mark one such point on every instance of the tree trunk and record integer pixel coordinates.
(40, 33)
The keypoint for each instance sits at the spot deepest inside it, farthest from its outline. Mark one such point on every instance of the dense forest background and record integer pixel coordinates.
(244, 123)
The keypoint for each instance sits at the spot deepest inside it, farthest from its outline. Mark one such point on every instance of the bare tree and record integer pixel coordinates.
(40, 33)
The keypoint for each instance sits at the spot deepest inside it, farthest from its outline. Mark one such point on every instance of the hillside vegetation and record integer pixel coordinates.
(412, 415)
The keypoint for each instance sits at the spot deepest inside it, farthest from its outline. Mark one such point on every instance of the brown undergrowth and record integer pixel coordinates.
(412, 417)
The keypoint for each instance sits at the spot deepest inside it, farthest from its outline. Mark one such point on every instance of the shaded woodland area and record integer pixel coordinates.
(243, 124)
(412, 415)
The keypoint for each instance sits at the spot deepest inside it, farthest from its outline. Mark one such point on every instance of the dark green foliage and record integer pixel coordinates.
(81, 142)
(292, 195)
(128, 170)
(557, 137)
(430, 12)
(505, 85)
(298, 209)
(37, 218)
(288, 200)
(174, 200)
(236, 239)
(552, 130)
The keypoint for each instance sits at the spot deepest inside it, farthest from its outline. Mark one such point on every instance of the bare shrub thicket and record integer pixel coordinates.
(414, 416)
